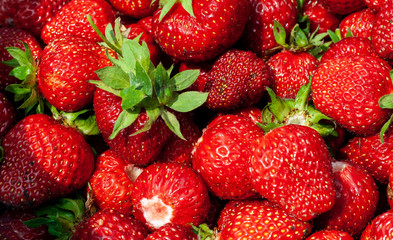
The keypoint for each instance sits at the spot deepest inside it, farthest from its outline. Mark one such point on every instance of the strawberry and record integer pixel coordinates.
(110, 224)
(258, 35)
(169, 193)
(13, 37)
(343, 7)
(70, 91)
(112, 182)
(237, 79)
(356, 200)
(43, 160)
(71, 20)
(137, 8)
(320, 18)
(201, 33)
(230, 209)
(172, 231)
(263, 220)
(290, 71)
(381, 227)
(7, 115)
(201, 81)
(348, 89)
(359, 23)
(222, 153)
(291, 166)
(376, 5)
(330, 235)
(382, 31)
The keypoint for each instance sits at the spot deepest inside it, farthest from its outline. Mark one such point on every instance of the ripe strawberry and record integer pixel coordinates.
(172, 231)
(263, 220)
(222, 153)
(204, 68)
(359, 23)
(330, 235)
(43, 160)
(71, 20)
(136, 8)
(381, 33)
(356, 200)
(343, 7)
(320, 17)
(214, 28)
(253, 113)
(237, 79)
(290, 71)
(112, 182)
(376, 5)
(381, 227)
(258, 35)
(291, 166)
(13, 37)
(59, 82)
(348, 88)
(7, 115)
(170, 193)
(110, 224)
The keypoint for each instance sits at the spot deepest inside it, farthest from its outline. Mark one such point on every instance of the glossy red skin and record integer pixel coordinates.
(71, 20)
(290, 71)
(360, 23)
(230, 210)
(7, 115)
(370, 154)
(382, 32)
(263, 220)
(135, 8)
(110, 183)
(237, 79)
(381, 227)
(320, 17)
(376, 5)
(12, 226)
(140, 149)
(43, 160)
(258, 34)
(172, 232)
(65, 67)
(204, 37)
(13, 37)
(110, 224)
(330, 235)
(343, 7)
(175, 185)
(356, 201)
(348, 88)
(253, 113)
(221, 156)
(291, 167)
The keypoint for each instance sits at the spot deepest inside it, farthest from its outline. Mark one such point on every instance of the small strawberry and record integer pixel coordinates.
(381, 227)
(320, 18)
(135, 8)
(43, 160)
(359, 23)
(170, 193)
(291, 166)
(222, 153)
(343, 7)
(172, 231)
(381, 33)
(330, 235)
(7, 115)
(71, 20)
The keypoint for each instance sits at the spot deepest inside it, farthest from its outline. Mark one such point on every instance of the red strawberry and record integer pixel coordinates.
(237, 79)
(381, 227)
(71, 20)
(348, 89)
(222, 153)
(356, 201)
(110, 224)
(290, 71)
(65, 66)
(343, 7)
(170, 193)
(381, 33)
(258, 35)
(112, 182)
(215, 28)
(263, 220)
(204, 68)
(359, 23)
(319, 16)
(376, 5)
(7, 115)
(229, 210)
(291, 166)
(330, 235)
(13, 37)
(135, 8)
(172, 231)
(43, 160)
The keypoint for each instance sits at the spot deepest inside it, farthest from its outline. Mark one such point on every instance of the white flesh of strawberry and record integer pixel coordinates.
(156, 212)
(339, 166)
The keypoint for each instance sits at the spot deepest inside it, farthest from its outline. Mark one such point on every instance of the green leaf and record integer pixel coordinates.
(113, 77)
(187, 5)
(172, 123)
(386, 101)
(301, 100)
(385, 127)
(134, 52)
(103, 86)
(187, 101)
(166, 8)
(349, 33)
(21, 72)
(185, 79)
(125, 119)
(279, 33)
(131, 97)
(110, 35)
(12, 63)
(36, 222)
(152, 115)
(162, 85)
(20, 55)
(301, 39)
(335, 38)
(18, 89)
(144, 79)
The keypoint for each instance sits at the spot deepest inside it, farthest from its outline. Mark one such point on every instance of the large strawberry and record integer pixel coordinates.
(43, 160)
(291, 166)
(7, 115)
(381, 33)
(200, 30)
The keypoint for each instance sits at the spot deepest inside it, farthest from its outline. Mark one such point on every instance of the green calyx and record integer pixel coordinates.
(280, 112)
(167, 5)
(386, 102)
(204, 232)
(142, 86)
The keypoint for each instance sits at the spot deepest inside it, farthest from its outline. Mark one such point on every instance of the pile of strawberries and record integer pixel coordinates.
(196, 119)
